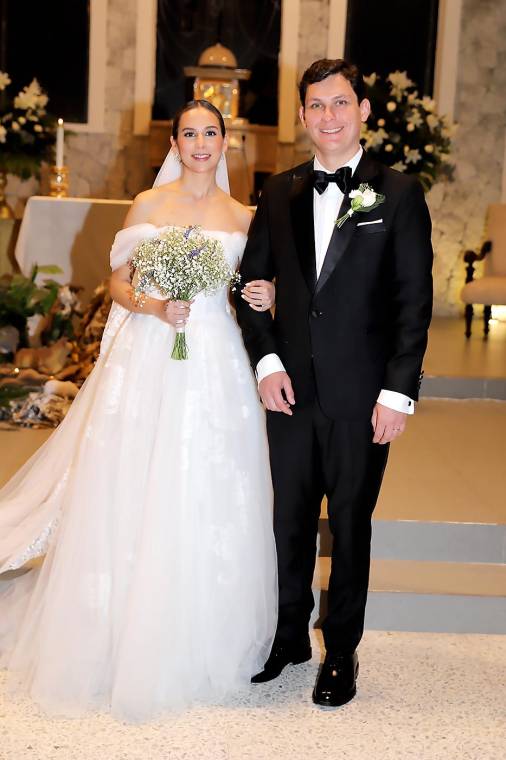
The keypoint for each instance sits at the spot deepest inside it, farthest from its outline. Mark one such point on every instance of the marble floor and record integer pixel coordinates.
(450, 354)
(420, 697)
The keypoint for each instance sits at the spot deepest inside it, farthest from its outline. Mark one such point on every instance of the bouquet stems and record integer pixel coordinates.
(180, 347)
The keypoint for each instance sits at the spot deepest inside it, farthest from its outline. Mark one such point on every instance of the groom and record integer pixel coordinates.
(338, 366)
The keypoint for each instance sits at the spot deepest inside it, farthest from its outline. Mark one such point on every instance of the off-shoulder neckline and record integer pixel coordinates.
(181, 227)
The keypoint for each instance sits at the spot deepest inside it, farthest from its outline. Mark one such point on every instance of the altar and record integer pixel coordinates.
(76, 234)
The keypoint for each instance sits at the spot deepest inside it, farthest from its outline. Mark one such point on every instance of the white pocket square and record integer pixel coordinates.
(376, 221)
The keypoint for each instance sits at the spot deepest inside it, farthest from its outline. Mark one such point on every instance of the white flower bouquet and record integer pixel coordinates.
(179, 264)
(27, 131)
(404, 130)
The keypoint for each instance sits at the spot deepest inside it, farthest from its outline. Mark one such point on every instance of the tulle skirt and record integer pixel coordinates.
(151, 507)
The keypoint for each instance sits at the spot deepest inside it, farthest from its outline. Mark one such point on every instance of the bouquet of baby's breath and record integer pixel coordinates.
(179, 264)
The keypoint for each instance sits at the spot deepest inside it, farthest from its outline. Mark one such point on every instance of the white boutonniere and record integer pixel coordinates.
(364, 199)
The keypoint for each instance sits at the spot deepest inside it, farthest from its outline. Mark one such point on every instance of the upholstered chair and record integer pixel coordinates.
(490, 289)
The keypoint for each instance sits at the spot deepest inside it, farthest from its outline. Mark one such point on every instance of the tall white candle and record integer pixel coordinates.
(59, 143)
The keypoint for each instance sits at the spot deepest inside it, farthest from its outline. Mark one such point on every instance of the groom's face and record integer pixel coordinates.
(333, 117)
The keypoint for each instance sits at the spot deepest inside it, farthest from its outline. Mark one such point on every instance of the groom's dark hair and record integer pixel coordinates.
(327, 67)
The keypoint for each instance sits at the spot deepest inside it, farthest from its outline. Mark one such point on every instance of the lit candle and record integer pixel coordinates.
(59, 144)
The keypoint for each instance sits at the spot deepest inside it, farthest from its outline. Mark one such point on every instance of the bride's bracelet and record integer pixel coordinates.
(138, 299)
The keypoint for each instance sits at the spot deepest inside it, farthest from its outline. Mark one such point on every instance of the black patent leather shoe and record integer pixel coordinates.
(337, 680)
(281, 656)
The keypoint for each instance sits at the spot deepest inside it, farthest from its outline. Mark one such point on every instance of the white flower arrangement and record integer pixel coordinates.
(5, 80)
(404, 130)
(68, 301)
(31, 98)
(178, 264)
(27, 132)
(399, 82)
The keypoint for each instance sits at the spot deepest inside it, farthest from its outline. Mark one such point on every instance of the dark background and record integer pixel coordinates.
(48, 40)
(394, 35)
(250, 29)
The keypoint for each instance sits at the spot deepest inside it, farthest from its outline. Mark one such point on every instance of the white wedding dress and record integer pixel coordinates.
(151, 504)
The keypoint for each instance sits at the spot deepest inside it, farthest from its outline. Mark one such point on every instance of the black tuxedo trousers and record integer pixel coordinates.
(359, 327)
(312, 456)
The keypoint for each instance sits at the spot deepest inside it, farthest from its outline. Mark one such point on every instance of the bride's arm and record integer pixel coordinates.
(120, 286)
(173, 312)
(123, 293)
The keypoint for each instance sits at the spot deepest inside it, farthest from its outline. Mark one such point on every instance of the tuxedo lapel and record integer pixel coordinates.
(302, 216)
(339, 242)
(342, 236)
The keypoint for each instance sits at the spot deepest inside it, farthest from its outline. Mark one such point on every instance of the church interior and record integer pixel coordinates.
(110, 76)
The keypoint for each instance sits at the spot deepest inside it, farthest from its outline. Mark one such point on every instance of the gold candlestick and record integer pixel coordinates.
(59, 181)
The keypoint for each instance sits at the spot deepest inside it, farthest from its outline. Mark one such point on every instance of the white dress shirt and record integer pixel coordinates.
(326, 207)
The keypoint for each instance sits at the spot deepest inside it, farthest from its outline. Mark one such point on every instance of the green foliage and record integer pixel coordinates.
(21, 297)
(10, 393)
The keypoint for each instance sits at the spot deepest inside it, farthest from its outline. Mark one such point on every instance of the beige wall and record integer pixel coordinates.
(114, 164)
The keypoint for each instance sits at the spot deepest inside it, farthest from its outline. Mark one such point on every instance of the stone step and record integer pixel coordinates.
(430, 541)
(470, 579)
(428, 596)
(437, 386)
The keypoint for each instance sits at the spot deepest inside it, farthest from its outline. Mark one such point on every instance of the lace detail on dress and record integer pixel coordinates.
(40, 545)
(35, 549)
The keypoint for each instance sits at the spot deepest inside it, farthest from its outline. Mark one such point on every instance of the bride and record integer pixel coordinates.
(137, 561)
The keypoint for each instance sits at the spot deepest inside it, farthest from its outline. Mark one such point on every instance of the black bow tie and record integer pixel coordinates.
(342, 178)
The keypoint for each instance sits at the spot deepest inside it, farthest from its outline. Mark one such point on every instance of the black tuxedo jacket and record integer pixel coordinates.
(362, 326)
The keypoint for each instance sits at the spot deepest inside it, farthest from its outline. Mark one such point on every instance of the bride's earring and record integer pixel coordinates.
(177, 157)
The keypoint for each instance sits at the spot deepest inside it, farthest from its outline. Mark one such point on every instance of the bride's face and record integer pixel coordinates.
(199, 140)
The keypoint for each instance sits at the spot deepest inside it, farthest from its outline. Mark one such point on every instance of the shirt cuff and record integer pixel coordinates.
(267, 365)
(397, 401)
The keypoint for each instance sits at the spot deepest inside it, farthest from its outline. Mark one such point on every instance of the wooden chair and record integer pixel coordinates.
(489, 290)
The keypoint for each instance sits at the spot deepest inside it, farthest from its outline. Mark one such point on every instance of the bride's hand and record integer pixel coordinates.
(260, 294)
(176, 313)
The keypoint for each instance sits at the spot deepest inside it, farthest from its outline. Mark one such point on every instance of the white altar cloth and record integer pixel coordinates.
(74, 233)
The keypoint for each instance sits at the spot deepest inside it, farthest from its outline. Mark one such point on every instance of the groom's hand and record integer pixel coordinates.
(276, 392)
(387, 424)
